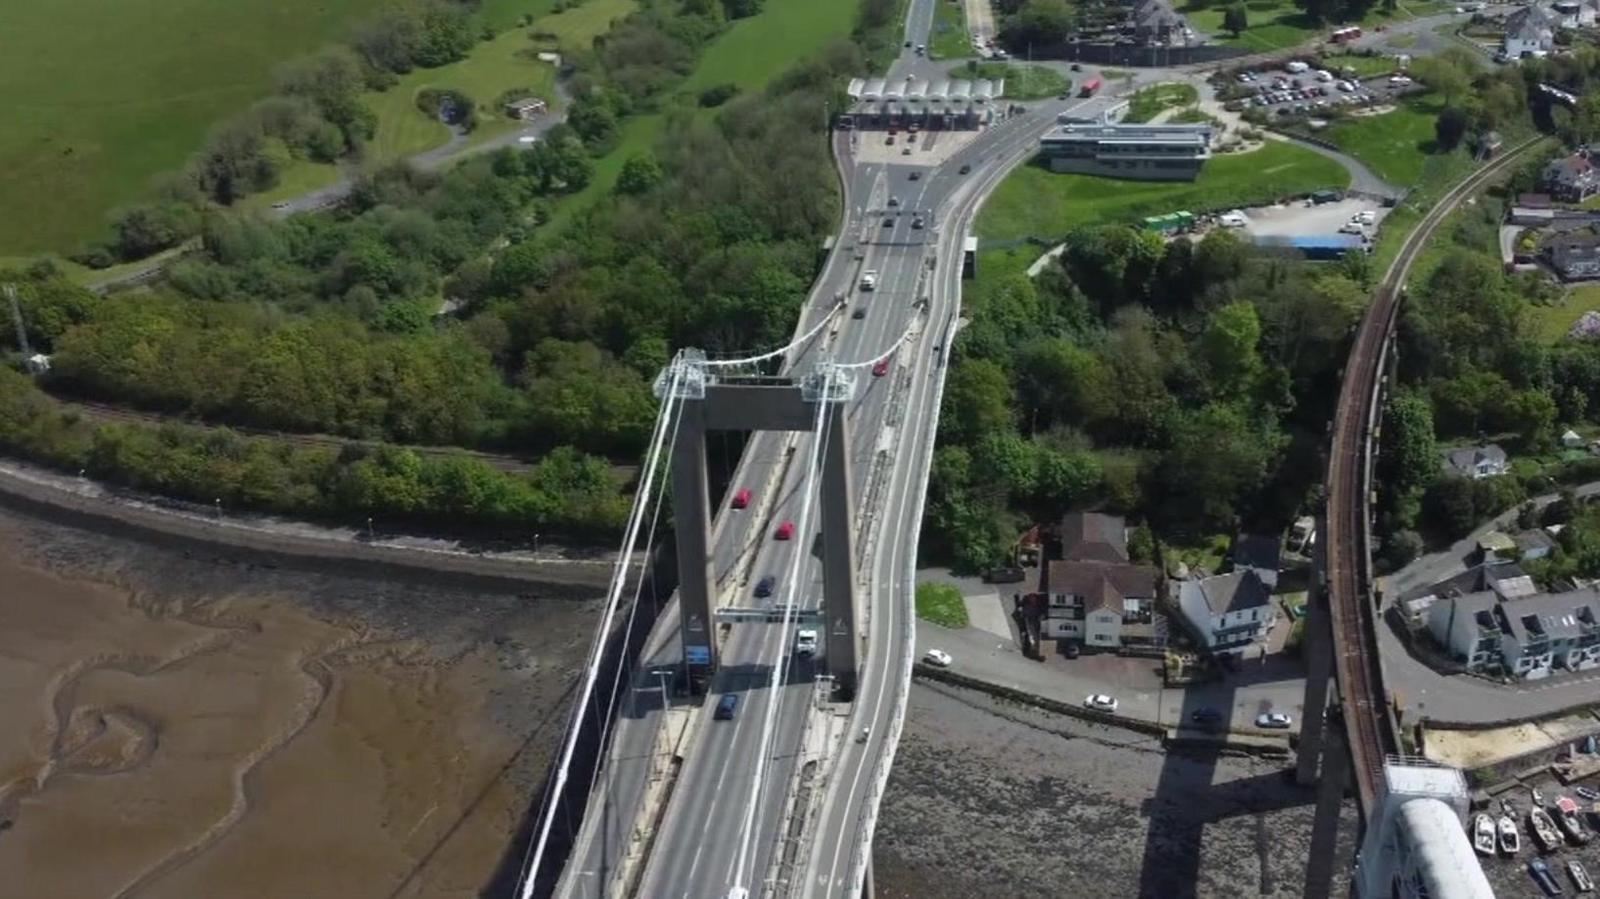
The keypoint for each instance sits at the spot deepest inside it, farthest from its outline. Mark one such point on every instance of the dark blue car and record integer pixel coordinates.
(727, 707)
(765, 585)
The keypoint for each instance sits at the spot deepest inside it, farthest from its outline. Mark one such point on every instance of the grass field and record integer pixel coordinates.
(949, 38)
(755, 50)
(1396, 145)
(1550, 323)
(1273, 24)
(1035, 202)
(1023, 81)
(1150, 101)
(103, 95)
(1363, 65)
(941, 604)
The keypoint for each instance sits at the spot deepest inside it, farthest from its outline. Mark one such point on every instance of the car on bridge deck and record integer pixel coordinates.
(805, 642)
(938, 658)
(785, 531)
(914, 176)
(1274, 720)
(727, 707)
(881, 368)
(1100, 702)
(741, 499)
(765, 585)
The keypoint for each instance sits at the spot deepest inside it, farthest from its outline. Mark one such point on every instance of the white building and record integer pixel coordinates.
(1120, 150)
(1526, 636)
(1530, 32)
(1477, 461)
(1228, 612)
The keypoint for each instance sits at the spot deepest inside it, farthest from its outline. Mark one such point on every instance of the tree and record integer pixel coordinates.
(1409, 456)
(1401, 547)
(1449, 506)
(1235, 19)
(1450, 127)
(639, 174)
(1228, 347)
(977, 401)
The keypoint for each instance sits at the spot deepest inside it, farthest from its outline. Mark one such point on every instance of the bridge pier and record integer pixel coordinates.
(761, 404)
(1325, 825)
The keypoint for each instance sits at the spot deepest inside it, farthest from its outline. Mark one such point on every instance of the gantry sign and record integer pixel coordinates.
(711, 402)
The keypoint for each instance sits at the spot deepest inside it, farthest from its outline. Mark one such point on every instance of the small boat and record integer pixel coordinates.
(1540, 872)
(1567, 816)
(1483, 834)
(1510, 840)
(1538, 798)
(1580, 878)
(1544, 830)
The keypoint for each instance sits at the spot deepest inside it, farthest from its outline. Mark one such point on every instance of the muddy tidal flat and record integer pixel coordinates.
(184, 724)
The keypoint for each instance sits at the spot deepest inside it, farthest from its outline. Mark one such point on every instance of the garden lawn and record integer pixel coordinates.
(575, 29)
(1150, 101)
(1364, 65)
(1396, 145)
(941, 604)
(948, 38)
(101, 96)
(1023, 81)
(1035, 202)
(1550, 323)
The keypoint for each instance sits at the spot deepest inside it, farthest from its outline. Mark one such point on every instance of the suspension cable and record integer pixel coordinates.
(592, 670)
(773, 354)
(781, 667)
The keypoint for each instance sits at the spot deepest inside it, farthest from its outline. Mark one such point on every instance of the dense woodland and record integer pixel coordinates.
(1184, 383)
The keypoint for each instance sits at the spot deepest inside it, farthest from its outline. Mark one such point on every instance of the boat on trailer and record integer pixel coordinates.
(1483, 834)
(1510, 840)
(1544, 830)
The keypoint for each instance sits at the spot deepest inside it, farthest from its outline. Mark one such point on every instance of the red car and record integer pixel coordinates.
(742, 498)
(881, 369)
(785, 531)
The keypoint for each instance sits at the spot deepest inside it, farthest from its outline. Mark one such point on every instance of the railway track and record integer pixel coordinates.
(1362, 699)
(500, 461)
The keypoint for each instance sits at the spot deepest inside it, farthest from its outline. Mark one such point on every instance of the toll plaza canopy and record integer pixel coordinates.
(949, 103)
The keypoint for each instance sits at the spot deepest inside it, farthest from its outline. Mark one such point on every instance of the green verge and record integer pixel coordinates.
(949, 38)
(1023, 81)
(101, 96)
(941, 604)
(1273, 24)
(1149, 102)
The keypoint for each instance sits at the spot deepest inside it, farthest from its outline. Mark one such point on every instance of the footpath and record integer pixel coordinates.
(79, 502)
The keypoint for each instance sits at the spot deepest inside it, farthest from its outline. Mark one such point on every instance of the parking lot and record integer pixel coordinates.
(1300, 220)
(1283, 93)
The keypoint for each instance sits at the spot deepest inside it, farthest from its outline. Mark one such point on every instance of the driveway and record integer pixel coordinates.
(1461, 698)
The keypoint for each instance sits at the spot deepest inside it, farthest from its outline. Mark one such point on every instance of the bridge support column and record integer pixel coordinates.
(1325, 826)
(867, 891)
(1318, 646)
(691, 507)
(838, 554)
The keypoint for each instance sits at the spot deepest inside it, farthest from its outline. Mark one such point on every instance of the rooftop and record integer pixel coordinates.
(1119, 132)
(1092, 579)
(1092, 536)
(1232, 592)
(1257, 551)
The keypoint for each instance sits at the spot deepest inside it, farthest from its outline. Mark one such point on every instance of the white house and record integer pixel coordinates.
(1477, 461)
(1101, 604)
(1530, 32)
(1526, 636)
(1228, 612)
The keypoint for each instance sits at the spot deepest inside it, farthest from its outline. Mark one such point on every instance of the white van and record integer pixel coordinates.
(1324, 75)
(1295, 67)
(1233, 218)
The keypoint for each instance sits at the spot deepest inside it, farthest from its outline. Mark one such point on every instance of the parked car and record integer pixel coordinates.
(727, 707)
(1100, 702)
(741, 498)
(1274, 720)
(765, 586)
(1366, 217)
(1234, 218)
(1205, 716)
(785, 531)
(938, 658)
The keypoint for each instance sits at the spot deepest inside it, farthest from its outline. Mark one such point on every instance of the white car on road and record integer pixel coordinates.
(938, 658)
(1274, 720)
(1100, 702)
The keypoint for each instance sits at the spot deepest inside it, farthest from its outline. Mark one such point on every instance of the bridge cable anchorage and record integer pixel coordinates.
(633, 612)
(820, 383)
(773, 354)
(530, 868)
